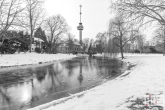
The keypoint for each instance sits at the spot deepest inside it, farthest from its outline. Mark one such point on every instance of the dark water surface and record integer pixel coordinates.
(30, 87)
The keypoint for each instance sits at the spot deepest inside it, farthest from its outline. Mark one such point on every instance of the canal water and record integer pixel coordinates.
(26, 88)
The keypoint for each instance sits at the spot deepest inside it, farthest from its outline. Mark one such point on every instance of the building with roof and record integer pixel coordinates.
(37, 44)
(76, 48)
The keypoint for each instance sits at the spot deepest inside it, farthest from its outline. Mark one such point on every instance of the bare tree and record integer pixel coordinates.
(85, 44)
(159, 34)
(56, 26)
(121, 33)
(110, 48)
(142, 11)
(9, 12)
(153, 10)
(92, 47)
(159, 37)
(140, 40)
(100, 42)
(70, 42)
(32, 17)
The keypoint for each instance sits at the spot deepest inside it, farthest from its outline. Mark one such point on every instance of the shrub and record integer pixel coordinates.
(38, 50)
(136, 51)
(74, 53)
(153, 50)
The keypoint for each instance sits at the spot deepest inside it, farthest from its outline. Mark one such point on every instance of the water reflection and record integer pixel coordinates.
(44, 84)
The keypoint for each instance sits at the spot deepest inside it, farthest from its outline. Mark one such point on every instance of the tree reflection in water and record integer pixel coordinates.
(56, 81)
(15, 97)
(80, 77)
(4, 98)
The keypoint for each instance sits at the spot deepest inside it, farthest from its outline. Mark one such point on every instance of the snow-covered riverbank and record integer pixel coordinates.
(147, 76)
(10, 60)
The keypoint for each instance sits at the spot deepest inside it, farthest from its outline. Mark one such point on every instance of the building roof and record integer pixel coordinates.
(38, 39)
(76, 43)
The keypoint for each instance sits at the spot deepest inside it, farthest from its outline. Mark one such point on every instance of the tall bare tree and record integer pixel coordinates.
(9, 13)
(121, 33)
(56, 26)
(100, 42)
(70, 42)
(85, 44)
(33, 16)
(92, 47)
(110, 48)
(159, 34)
(142, 11)
(140, 40)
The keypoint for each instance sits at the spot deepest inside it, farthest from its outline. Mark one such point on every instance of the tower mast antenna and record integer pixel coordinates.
(80, 13)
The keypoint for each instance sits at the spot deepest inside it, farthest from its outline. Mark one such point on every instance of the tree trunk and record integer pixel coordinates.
(31, 34)
(50, 50)
(164, 48)
(121, 51)
(164, 41)
(30, 42)
(121, 47)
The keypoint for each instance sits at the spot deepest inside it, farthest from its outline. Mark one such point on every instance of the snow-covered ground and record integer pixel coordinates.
(147, 76)
(7, 60)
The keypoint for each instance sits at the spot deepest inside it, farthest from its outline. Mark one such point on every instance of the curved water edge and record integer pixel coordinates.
(31, 65)
(55, 81)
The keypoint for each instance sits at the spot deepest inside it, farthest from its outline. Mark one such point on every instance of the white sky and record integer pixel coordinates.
(95, 15)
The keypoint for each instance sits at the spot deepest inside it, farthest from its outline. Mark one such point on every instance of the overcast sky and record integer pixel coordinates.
(95, 14)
